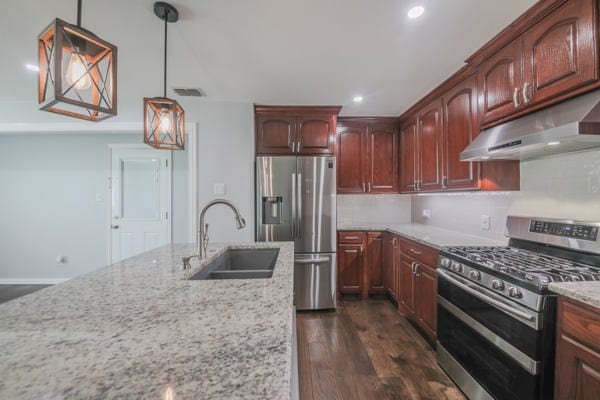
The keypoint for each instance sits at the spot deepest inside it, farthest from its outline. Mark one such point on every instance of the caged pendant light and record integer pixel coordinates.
(77, 71)
(164, 119)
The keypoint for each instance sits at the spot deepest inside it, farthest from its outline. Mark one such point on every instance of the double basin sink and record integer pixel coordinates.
(240, 264)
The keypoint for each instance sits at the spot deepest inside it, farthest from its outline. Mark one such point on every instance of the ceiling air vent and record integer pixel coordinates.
(189, 92)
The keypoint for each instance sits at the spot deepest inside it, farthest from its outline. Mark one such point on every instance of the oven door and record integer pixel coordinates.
(487, 344)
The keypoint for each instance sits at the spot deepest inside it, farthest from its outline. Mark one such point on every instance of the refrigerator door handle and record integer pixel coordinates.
(313, 261)
(299, 207)
(294, 205)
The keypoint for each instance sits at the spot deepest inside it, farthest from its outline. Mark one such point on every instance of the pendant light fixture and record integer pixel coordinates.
(77, 71)
(164, 119)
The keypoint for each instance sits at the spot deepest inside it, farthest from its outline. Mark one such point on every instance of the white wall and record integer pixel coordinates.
(373, 209)
(226, 155)
(564, 186)
(48, 205)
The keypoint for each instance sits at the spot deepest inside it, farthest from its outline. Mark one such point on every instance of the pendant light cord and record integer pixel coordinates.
(165, 69)
(79, 13)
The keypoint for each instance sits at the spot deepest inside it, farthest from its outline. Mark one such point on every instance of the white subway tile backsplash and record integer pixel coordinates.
(564, 186)
(389, 209)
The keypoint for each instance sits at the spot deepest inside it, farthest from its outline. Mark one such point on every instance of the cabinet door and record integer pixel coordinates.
(382, 159)
(275, 134)
(430, 147)
(460, 128)
(375, 271)
(577, 352)
(408, 156)
(315, 134)
(350, 159)
(350, 268)
(560, 51)
(389, 265)
(406, 289)
(500, 82)
(426, 295)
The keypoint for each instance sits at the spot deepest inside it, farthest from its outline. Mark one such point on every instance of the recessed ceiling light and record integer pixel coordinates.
(357, 99)
(553, 143)
(32, 67)
(416, 12)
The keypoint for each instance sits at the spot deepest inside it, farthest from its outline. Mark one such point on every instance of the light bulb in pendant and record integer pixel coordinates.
(77, 74)
(164, 121)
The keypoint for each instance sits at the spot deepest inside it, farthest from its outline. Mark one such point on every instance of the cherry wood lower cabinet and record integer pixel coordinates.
(350, 268)
(577, 351)
(391, 265)
(375, 268)
(418, 286)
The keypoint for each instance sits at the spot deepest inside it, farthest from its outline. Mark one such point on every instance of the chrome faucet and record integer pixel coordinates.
(202, 237)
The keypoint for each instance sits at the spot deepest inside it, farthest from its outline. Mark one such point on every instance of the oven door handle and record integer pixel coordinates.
(487, 299)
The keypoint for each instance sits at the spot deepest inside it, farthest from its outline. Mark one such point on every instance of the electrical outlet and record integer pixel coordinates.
(427, 213)
(485, 222)
(220, 188)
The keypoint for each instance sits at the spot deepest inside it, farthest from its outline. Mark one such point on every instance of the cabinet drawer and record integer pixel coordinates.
(580, 323)
(352, 237)
(419, 252)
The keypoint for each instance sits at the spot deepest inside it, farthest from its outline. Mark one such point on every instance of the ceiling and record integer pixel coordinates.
(266, 51)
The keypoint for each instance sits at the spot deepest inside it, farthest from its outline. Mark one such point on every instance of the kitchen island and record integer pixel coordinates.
(140, 329)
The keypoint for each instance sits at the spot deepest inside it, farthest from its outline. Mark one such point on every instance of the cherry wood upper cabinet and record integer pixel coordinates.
(351, 159)
(461, 126)
(367, 155)
(408, 157)
(430, 147)
(295, 130)
(561, 51)
(500, 82)
(382, 159)
(315, 134)
(275, 134)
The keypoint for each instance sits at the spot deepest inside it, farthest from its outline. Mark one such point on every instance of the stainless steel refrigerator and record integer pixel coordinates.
(296, 201)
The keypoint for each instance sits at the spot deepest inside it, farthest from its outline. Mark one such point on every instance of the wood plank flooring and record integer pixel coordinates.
(367, 350)
(9, 292)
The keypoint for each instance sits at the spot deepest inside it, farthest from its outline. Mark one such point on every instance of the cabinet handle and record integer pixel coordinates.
(415, 251)
(516, 98)
(351, 237)
(444, 182)
(417, 269)
(412, 267)
(368, 186)
(526, 98)
(363, 187)
(361, 251)
(394, 242)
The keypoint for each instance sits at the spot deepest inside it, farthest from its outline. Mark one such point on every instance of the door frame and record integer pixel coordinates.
(70, 128)
(108, 191)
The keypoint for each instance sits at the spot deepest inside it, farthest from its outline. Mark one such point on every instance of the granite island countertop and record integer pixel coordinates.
(425, 234)
(584, 292)
(140, 329)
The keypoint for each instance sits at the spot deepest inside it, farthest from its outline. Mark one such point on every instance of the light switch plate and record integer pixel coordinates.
(485, 222)
(220, 188)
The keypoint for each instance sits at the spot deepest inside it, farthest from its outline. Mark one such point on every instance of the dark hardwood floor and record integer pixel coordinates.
(9, 292)
(367, 350)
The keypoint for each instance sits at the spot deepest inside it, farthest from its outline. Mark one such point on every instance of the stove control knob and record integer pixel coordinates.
(514, 292)
(475, 275)
(497, 285)
(445, 262)
(456, 267)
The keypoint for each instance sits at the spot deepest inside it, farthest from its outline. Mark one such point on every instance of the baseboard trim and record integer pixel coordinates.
(32, 281)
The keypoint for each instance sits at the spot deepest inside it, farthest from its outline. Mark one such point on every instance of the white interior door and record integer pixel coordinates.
(141, 200)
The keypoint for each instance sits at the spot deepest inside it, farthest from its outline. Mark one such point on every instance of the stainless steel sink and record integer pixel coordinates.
(240, 264)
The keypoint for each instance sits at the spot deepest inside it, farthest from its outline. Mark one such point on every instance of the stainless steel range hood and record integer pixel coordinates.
(569, 126)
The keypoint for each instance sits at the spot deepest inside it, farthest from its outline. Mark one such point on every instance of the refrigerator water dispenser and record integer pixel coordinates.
(272, 207)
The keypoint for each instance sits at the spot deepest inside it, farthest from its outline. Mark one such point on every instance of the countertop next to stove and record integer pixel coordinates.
(585, 292)
(428, 235)
(139, 329)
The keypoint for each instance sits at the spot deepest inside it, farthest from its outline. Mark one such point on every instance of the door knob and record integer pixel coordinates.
(115, 226)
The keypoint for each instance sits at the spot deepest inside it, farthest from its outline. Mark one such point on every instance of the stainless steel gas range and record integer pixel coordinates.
(496, 318)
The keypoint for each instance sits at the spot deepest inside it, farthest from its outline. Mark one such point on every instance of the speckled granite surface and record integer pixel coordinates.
(138, 329)
(428, 235)
(585, 292)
